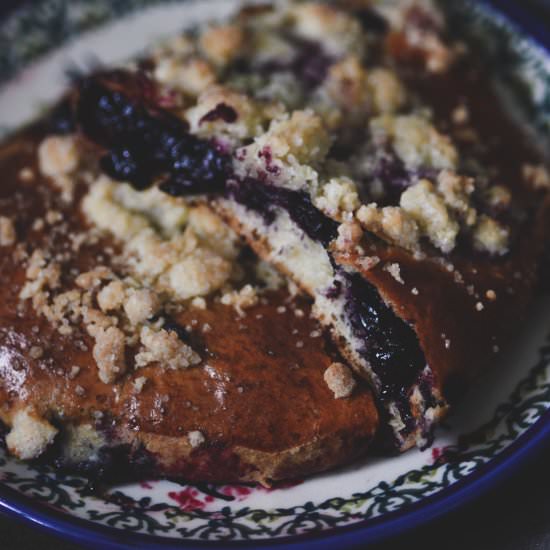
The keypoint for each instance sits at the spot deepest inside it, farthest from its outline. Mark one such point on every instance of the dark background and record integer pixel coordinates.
(514, 516)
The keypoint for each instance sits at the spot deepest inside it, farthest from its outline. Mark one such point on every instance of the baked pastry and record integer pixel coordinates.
(354, 148)
(139, 339)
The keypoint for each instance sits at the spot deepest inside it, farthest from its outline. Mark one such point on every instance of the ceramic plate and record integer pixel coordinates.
(502, 420)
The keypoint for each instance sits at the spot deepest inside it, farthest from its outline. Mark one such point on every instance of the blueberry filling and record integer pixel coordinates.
(395, 177)
(263, 199)
(145, 143)
(391, 171)
(309, 64)
(391, 346)
(372, 21)
(61, 119)
(222, 111)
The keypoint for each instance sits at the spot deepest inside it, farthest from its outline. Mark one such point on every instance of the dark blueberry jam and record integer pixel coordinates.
(263, 199)
(391, 346)
(117, 464)
(391, 171)
(396, 177)
(144, 143)
(222, 111)
(372, 21)
(309, 64)
(61, 120)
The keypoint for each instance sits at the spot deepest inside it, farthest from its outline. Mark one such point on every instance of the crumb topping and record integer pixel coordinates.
(222, 43)
(8, 235)
(339, 380)
(30, 435)
(391, 223)
(536, 176)
(490, 236)
(394, 270)
(164, 347)
(428, 209)
(58, 156)
(242, 299)
(196, 438)
(109, 354)
(416, 141)
(140, 305)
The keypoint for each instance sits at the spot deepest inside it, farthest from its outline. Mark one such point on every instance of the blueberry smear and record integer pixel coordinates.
(61, 120)
(264, 198)
(391, 345)
(372, 21)
(117, 111)
(221, 111)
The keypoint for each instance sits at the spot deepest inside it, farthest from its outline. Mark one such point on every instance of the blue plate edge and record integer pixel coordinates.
(364, 532)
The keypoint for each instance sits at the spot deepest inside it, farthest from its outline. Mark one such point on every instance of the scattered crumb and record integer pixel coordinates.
(460, 114)
(141, 305)
(395, 271)
(74, 372)
(139, 383)
(196, 438)
(536, 175)
(108, 352)
(479, 306)
(38, 224)
(36, 352)
(26, 174)
(93, 278)
(244, 298)
(368, 262)
(491, 295)
(111, 296)
(164, 347)
(8, 235)
(415, 291)
(58, 155)
(340, 380)
(30, 435)
(199, 302)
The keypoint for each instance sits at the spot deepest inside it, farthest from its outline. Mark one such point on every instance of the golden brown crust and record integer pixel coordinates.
(465, 310)
(255, 409)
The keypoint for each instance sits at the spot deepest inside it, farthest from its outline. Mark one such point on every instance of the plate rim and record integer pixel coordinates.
(368, 531)
(27, 510)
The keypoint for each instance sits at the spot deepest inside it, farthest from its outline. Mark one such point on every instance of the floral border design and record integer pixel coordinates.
(527, 403)
(30, 33)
